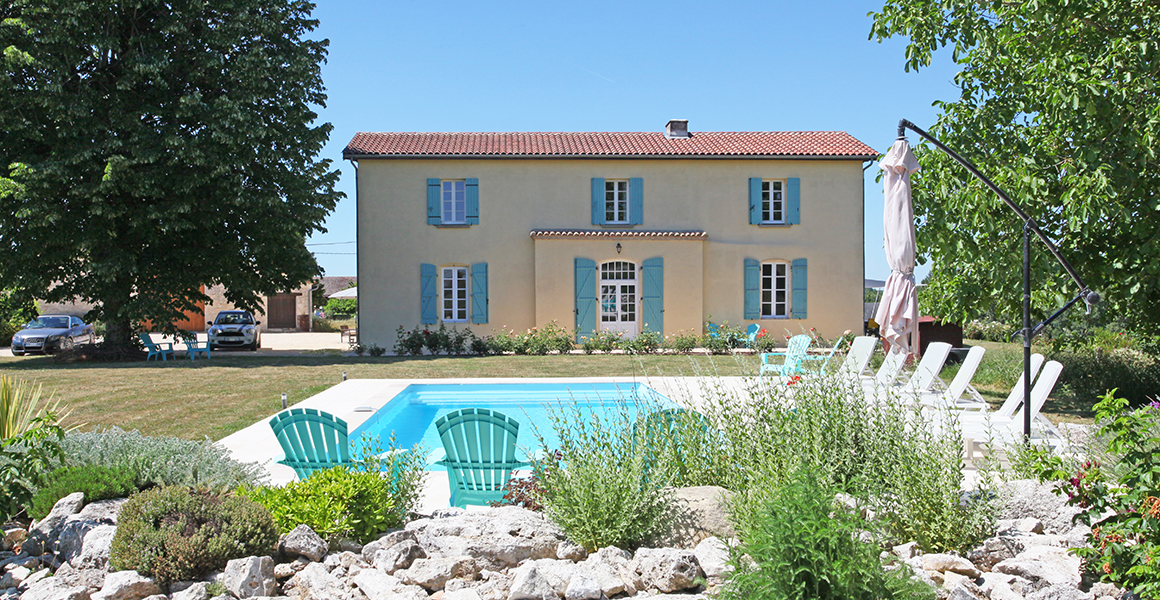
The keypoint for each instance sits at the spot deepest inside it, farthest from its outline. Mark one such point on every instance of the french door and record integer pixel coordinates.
(618, 298)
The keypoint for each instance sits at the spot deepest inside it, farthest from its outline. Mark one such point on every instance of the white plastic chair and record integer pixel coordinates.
(858, 356)
(954, 392)
(1010, 429)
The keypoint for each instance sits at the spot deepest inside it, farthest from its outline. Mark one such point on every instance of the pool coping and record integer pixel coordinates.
(257, 443)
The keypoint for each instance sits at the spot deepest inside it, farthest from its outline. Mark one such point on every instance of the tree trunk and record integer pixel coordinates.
(118, 327)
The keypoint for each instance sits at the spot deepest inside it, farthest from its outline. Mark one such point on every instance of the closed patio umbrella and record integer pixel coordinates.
(898, 310)
(347, 293)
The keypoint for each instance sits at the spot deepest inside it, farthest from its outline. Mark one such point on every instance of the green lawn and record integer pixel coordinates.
(218, 397)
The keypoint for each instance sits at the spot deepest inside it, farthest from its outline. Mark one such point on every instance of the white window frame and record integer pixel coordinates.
(770, 280)
(453, 201)
(616, 201)
(773, 208)
(456, 305)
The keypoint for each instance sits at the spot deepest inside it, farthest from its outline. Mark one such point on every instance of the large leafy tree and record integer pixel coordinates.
(1059, 105)
(150, 147)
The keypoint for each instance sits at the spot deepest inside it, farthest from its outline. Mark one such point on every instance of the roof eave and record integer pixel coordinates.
(368, 156)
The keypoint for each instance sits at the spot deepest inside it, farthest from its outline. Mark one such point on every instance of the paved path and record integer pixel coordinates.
(273, 344)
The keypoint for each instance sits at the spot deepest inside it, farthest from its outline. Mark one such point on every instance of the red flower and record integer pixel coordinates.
(794, 379)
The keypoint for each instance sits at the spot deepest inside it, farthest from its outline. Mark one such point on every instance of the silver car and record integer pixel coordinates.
(52, 333)
(234, 329)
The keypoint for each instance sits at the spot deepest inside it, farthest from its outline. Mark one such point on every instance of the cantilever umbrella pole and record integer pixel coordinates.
(1029, 226)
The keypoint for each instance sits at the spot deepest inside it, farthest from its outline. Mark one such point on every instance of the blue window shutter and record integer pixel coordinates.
(635, 201)
(653, 294)
(479, 293)
(585, 298)
(752, 289)
(755, 201)
(597, 200)
(434, 208)
(793, 194)
(428, 294)
(473, 202)
(798, 311)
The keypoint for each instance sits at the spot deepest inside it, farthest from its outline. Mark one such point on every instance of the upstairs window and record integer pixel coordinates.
(616, 201)
(773, 201)
(454, 200)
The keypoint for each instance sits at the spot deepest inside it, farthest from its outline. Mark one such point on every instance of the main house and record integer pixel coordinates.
(621, 232)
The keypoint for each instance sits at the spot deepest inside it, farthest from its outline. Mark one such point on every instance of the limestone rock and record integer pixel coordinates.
(666, 569)
(12, 536)
(700, 513)
(377, 585)
(249, 577)
(568, 551)
(1059, 592)
(126, 585)
(14, 577)
(197, 591)
(302, 541)
(1044, 566)
(72, 536)
(53, 588)
(45, 532)
(529, 584)
(399, 556)
(583, 588)
(713, 556)
(463, 594)
(498, 538)
(1024, 525)
(95, 548)
(1003, 591)
(907, 550)
(1029, 498)
(433, 573)
(90, 579)
(965, 589)
(316, 583)
(35, 577)
(950, 562)
(101, 511)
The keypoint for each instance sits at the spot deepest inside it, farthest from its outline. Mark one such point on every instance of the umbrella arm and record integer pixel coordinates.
(1085, 293)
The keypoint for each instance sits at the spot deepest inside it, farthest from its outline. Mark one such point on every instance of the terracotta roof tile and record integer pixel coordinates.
(572, 234)
(828, 144)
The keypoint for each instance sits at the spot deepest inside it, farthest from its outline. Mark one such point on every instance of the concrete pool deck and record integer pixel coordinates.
(356, 400)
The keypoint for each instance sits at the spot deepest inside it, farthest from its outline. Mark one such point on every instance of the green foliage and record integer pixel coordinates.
(336, 503)
(727, 338)
(20, 406)
(160, 460)
(552, 337)
(376, 350)
(177, 130)
(804, 546)
(681, 341)
(98, 483)
(1125, 485)
(341, 308)
(24, 459)
(888, 454)
(443, 340)
(1057, 107)
(645, 342)
(176, 533)
(1089, 374)
(596, 486)
(989, 330)
(602, 341)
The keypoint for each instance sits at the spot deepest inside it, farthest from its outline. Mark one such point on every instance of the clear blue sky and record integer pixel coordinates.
(614, 66)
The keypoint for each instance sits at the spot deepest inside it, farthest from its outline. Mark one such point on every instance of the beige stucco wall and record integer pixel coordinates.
(519, 195)
(218, 302)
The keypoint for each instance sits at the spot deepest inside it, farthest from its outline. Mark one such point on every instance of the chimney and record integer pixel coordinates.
(677, 128)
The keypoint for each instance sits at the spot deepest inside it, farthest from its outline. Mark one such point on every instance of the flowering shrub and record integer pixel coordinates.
(438, 341)
(1125, 546)
(985, 329)
(552, 337)
(681, 341)
(603, 341)
(646, 342)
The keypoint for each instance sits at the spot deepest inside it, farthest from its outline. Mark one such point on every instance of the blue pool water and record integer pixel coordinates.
(412, 413)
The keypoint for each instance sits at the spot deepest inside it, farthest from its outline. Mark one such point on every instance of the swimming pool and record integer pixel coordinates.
(412, 413)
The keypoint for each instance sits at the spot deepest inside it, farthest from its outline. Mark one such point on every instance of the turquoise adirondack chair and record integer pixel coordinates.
(683, 433)
(792, 358)
(751, 335)
(155, 349)
(480, 454)
(312, 440)
(194, 347)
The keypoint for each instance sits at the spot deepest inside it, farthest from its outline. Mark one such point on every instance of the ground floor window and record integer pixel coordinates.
(454, 294)
(774, 290)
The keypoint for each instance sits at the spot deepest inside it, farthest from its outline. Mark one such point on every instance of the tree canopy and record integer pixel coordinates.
(1058, 105)
(149, 148)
